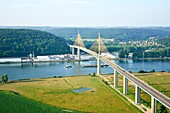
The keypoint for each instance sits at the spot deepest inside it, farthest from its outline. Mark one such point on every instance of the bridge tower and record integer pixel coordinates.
(78, 42)
(99, 47)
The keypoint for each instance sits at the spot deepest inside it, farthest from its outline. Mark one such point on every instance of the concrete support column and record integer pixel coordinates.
(78, 53)
(115, 78)
(137, 95)
(153, 105)
(125, 85)
(98, 66)
(72, 51)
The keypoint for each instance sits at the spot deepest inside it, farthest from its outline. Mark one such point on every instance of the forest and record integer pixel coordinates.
(22, 42)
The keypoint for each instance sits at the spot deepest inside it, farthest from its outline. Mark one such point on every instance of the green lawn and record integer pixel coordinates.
(58, 92)
(11, 102)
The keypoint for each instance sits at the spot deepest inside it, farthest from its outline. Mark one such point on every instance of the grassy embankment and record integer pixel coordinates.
(58, 92)
(158, 80)
(11, 102)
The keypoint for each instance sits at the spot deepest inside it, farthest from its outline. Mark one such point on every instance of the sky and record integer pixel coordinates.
(85, 13)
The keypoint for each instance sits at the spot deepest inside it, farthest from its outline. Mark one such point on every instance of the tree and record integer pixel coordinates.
(4, 78)
(163, 109)
(121, 54)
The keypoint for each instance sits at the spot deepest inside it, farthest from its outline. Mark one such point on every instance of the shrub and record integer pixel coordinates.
(92, 75)
(130, 71)
(142, 71)
(105, 82)
(163, 109)
(152, 70)
(4, 78)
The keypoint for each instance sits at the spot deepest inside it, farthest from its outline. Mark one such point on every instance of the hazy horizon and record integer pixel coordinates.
(82, 26)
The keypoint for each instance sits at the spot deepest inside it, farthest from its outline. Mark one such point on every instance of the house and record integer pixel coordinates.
(130, 55)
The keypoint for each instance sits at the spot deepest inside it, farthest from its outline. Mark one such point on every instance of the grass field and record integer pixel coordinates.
(158, 80)
(11, 102)
(58, 92)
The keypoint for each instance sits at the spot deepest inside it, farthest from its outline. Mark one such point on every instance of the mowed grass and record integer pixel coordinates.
(158, 80)
(58, 92)
(11, 102)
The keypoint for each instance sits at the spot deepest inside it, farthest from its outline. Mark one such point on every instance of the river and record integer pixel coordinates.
(50, 69)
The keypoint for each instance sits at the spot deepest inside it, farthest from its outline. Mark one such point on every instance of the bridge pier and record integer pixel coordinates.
(72, 51)
(153, 105)
(98, 66)
(115, 78)
(78, 53)
(125, 85)
(137, 95)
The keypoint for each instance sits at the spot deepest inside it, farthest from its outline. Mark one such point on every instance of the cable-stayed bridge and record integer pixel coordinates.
(98, 47)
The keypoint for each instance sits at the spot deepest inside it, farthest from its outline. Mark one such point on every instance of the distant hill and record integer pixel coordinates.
(119, 33)
(122, 34)
(21, 42)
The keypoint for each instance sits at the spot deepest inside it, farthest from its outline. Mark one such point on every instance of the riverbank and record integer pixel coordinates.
(74, 60)
(43, 61)
(167, 58)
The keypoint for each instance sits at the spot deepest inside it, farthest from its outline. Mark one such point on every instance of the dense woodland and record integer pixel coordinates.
(22, 42)
(164, 41)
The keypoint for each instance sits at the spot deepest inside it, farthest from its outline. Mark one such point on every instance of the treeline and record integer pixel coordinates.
(22, 42)
(139, 52)
(153, 54)
(121, 34)
(164, 41)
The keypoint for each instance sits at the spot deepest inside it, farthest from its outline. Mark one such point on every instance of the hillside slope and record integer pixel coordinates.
(122, 34)
(12, 102)
(21, 42)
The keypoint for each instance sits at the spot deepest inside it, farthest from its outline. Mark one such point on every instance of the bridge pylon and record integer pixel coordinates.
(78, 42)
(98, 46)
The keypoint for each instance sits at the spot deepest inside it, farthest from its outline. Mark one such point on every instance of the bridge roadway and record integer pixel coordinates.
(147, 88)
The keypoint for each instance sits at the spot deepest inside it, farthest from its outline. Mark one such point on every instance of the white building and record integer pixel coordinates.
(110, 56)
(43, 58)
(130, 55)
(4, 60)
(85, 57)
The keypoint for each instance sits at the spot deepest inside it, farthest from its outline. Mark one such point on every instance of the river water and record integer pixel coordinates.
(50, 69)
